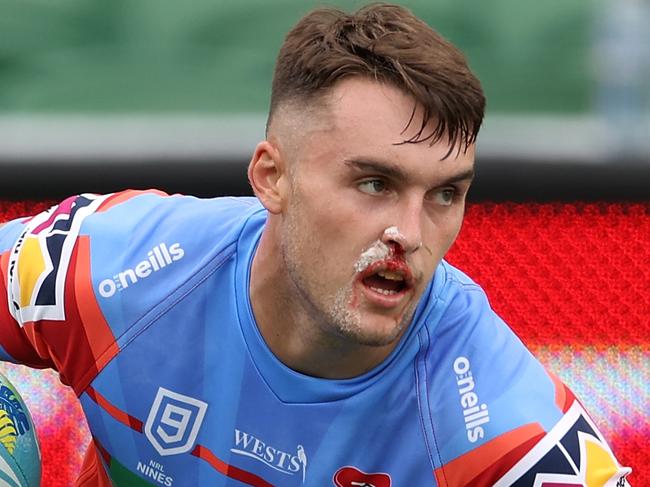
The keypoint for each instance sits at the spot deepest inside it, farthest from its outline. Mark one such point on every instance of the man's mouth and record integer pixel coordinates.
(385, 282)
(390, 279)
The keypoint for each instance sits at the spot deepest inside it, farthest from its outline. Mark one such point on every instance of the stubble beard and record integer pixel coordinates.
(335, 315)
(347, 322)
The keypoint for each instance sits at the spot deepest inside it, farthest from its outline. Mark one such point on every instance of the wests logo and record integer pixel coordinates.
(353, 477)
(282, 461)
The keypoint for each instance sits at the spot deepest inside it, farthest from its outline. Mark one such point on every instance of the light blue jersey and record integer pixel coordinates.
(141, 302)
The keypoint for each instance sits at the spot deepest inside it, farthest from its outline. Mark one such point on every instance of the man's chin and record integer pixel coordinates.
(378, 330)
(360, 321)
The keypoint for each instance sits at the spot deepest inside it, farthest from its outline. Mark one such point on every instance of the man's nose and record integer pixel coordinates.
(406, 232)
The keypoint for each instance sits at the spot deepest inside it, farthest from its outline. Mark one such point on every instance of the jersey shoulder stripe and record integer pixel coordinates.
(40, 258)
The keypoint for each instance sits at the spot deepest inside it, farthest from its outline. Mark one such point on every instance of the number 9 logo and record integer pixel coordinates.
(173, 422)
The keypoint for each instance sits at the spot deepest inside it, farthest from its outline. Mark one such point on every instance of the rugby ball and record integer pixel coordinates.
(20, 456)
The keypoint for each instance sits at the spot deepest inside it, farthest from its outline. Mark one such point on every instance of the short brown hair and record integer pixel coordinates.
(390, 44)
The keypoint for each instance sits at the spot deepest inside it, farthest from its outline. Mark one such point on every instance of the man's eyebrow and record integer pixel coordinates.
(463, 176)
(395, 172)
(383, 168)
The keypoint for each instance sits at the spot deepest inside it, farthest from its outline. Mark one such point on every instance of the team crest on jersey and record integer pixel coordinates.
(39, 261)
(353, 477)
(174, 422)
(576, 454)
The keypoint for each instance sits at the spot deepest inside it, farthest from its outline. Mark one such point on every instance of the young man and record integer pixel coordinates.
(314, 335)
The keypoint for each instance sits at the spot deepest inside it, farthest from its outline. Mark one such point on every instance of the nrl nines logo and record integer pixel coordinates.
(282, 461)
(157, 258)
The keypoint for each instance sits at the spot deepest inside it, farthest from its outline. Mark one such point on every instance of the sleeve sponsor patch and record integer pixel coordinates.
(40, 258)
(572, 454)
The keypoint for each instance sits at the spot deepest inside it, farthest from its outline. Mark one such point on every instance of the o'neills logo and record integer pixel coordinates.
(474, 414)
(286, 462)
(157, 258)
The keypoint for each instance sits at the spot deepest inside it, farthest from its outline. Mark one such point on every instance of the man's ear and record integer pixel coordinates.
(268, 176)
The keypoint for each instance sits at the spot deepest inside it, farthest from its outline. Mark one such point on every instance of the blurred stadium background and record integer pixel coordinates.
(100, 96)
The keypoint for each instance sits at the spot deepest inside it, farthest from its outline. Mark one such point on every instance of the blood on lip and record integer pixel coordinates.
(394, 265)
(391, 265)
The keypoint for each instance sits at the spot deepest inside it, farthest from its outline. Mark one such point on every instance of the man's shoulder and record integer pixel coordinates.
(486, 382)
(469, 337)
(153, 244)
(134, 205)
(500, 418)
(457, 304)
(149, 216)
(114, 241)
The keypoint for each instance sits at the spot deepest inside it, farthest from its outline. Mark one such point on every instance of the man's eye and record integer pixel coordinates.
(372, 186)
(445, 197)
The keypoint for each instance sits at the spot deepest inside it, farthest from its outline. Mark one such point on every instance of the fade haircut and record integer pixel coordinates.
(389, 44)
